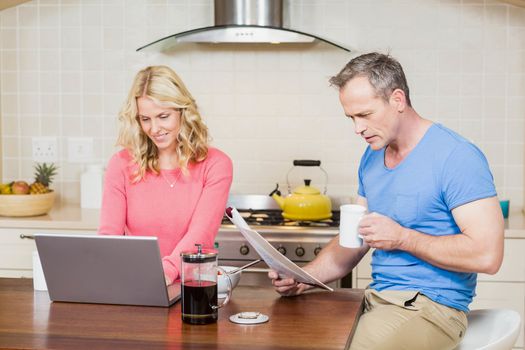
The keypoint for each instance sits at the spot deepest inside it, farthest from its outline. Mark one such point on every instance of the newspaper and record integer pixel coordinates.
(275, 260)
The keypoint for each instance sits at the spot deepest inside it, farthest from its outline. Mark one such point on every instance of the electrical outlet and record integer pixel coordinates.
(80, 149)
(45, 149)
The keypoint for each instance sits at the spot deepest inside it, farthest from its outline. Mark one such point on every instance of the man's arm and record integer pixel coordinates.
(479, 247)
(335, 262)
(332, 263)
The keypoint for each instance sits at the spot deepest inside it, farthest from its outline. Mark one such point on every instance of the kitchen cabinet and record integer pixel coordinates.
(16, 252)
(506, 289)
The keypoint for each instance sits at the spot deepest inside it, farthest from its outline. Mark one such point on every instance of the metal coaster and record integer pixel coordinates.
(249, 317)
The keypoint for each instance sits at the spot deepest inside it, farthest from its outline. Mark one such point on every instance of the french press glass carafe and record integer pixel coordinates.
(199, 286)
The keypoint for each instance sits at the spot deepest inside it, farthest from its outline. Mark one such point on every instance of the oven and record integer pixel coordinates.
(299, 241)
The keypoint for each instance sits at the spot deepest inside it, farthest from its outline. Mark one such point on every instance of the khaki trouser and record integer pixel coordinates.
(404, 320)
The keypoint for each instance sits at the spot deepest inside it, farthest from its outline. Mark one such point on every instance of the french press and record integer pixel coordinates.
(199, 286)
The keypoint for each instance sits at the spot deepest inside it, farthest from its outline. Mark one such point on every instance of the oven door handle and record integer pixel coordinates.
(256, 270)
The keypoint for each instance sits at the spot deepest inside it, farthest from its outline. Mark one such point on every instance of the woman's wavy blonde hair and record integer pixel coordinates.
(165, 87)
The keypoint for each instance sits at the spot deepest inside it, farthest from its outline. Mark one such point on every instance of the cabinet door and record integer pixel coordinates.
(362, 283)
(16, 253)
(499, 295)
(364, 269)
(513, 267)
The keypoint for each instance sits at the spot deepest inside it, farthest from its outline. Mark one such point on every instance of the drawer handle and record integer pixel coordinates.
(23, 236)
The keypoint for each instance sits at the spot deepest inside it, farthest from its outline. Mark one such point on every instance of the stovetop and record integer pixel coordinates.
(263, 214)
(273, 217)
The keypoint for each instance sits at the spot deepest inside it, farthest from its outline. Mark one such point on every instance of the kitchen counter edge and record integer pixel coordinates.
(72, 217)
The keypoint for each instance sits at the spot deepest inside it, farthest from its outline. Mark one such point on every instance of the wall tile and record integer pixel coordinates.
(10, 125)
(70, 104)
(9, 82)
(8, 37)
(516, 37)
(27, 38)
(9, 60)
(92, 59)
(494, 108)
(50, 125)
(70, 16)
(513, 177)
(48, 16)
(26, 147)
(28, 105)
(517, 17)
(9, 104)
(49, 38)
(50, 104)
(28, 16)
(71, 82)
(50, 60)
(10, 146)
(71, 38)
(29, 126)
(494, 85)
(92, 104)
(28, 60)
(516, 85)
(516, 107)
(66, 67)
(10, 168)
(71, 127)
(9, 17)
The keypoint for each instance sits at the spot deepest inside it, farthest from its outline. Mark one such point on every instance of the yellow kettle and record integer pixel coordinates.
(305, 203)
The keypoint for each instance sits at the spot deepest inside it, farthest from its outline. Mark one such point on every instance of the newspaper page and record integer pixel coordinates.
(275, 260)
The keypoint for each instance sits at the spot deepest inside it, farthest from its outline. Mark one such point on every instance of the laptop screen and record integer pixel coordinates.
(104, 269)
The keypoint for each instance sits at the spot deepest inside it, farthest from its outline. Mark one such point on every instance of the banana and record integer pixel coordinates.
(6, 188)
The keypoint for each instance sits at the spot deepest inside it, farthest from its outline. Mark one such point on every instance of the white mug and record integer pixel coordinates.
(351, 214)
(39, 281)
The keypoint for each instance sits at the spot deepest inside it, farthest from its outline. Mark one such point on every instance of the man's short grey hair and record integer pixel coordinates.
(384, 73)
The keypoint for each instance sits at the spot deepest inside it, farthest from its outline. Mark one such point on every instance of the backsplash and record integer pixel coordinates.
(66, 66)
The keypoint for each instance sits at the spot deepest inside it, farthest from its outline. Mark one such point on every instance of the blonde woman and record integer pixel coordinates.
(166, 181)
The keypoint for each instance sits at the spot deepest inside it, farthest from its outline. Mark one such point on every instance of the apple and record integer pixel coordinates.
(20, 187)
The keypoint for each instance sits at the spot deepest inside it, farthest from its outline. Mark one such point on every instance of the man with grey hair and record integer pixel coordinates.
(434, 218)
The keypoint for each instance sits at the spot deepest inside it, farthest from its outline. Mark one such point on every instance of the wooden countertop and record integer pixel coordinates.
(72, 217)
(316, 320)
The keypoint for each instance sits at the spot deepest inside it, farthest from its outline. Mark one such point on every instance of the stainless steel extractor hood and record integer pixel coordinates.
(242, 21)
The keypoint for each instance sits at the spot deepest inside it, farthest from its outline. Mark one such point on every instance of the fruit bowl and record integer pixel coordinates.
(26, 204)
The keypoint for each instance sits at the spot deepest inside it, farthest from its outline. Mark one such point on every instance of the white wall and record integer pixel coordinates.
(66, 65)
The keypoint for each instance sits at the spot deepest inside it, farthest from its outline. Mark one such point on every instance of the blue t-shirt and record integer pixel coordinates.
(441, 173)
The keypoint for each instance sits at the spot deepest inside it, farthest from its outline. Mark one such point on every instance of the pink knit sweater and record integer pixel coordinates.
(189, 212)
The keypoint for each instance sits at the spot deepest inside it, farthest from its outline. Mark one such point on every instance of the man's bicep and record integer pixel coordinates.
(482, 222)
(479, 215)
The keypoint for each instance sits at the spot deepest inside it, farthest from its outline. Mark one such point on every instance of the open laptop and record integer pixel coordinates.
(104, 269)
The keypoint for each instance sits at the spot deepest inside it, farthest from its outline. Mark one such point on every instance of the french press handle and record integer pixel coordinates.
(230, 289)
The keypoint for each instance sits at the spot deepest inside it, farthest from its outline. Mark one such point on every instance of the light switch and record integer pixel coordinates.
(80, 149)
